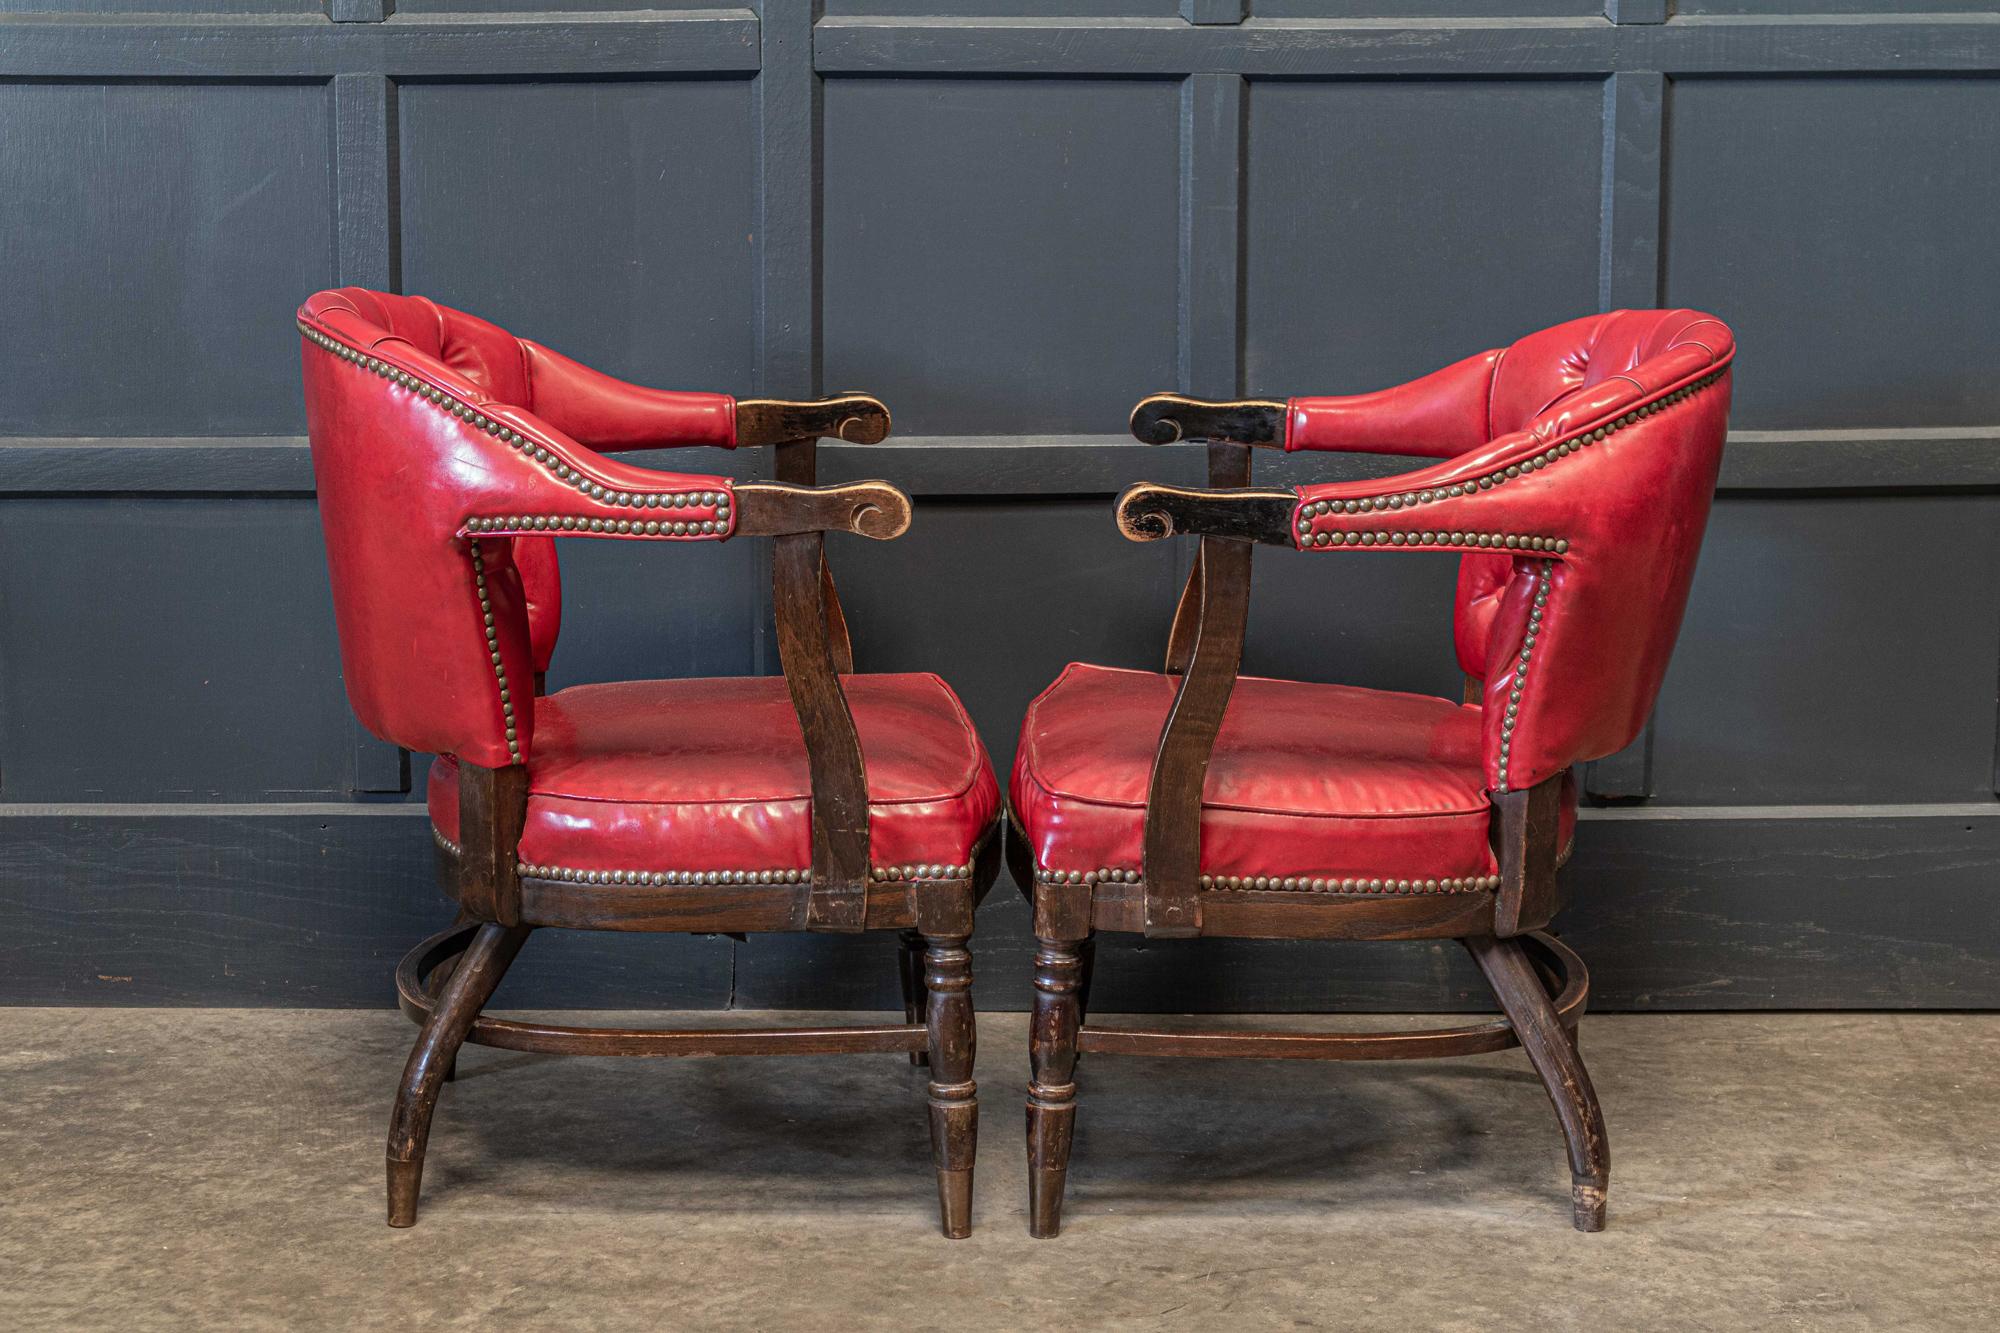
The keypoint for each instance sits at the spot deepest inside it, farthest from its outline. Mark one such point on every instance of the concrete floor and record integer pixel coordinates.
(223, 1169)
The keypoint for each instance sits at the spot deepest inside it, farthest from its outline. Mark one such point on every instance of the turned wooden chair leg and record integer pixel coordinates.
(472, 984)
(1518, 987)
(953, 1094)
(911, 959)
(1052, 1086)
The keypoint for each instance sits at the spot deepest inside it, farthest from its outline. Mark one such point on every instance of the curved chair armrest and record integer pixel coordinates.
(1149, 511)
(1166, 418)
(603, 412)
(873, 509)
(1516, 492)
(812, 641)
(856, 418)
(1434, 416)
(535, 480)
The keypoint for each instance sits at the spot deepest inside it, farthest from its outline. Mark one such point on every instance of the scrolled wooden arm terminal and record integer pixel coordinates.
(1168, 418)
(853, 418)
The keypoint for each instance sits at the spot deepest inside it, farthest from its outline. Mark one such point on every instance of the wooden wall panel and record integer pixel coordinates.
(157, 238)
(1820, 664)
(168, 650)
(635, 255)
(1386, 221)
(1010, 218)
(1781, 189)
(310, 905)
(930, 602)
(971, 273)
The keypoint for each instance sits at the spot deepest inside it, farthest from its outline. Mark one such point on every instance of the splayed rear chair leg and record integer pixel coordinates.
(1555, 1056)
(472, 984)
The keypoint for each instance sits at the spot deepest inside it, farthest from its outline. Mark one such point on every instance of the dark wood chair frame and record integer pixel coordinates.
(1541, 985)
(446, 980)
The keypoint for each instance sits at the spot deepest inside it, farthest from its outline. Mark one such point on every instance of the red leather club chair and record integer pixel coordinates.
(1574, 470)
(449, 454)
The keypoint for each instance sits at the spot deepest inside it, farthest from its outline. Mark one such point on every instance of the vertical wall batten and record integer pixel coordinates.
(788, 102)
(359, 11)
(1630, 277)
(1211, 199)
(788, 204)
(1638, 11)
(367, 246)
(1634, 189)
(364, 180)
(1213, 11)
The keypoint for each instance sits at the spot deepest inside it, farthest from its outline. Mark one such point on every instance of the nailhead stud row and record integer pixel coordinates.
(567, 523)
(572, 875)
(493, 651)
(1352, 884)
(1213, 883)
(926, 871)
(548, 460)
(1483, 540)
(1521, 670)
(1284, 883)
(1107, 875)
(1500, 476)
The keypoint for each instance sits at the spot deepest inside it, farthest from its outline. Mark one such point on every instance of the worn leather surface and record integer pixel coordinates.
(1630, 510)
(400, 474)
(711, 775)
(1306, 779)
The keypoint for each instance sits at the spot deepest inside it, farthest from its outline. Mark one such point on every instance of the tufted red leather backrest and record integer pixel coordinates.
(1533, 380)
(1587, 455)
(406, 405)
(490, 357)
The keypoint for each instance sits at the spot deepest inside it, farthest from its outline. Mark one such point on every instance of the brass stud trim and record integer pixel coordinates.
(929, 870)
(493, 651)
(1508, 541)
(1333, 884)
(548, 461)
(574, 875)
(1106, 875)
(511, 524)
(1512, 713)
(1307, 513)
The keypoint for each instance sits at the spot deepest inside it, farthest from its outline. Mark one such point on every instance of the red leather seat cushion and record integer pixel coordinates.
(711, 775)
(1306, 780)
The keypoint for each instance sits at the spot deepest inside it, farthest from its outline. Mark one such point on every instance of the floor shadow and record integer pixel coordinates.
(789, 1133)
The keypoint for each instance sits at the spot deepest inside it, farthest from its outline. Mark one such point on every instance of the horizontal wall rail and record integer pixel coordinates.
(1392, 48)
(232, 46)
(1008, 465)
